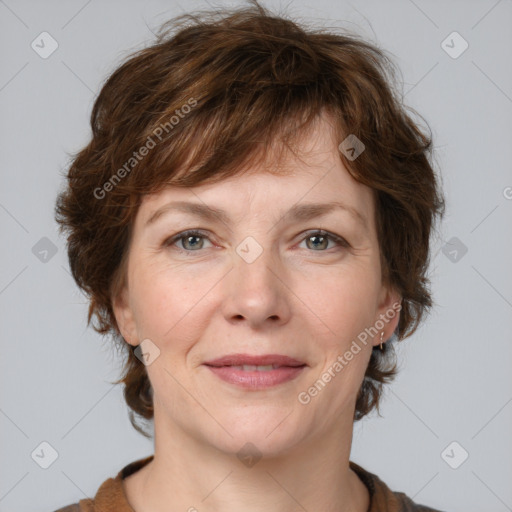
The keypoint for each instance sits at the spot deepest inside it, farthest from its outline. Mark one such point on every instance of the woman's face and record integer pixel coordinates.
(257, 281)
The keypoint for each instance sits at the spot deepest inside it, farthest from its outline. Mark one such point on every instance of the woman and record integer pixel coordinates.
(251, 221)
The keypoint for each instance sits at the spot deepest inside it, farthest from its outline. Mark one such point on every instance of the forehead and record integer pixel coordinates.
(260, 201)
(312, 174)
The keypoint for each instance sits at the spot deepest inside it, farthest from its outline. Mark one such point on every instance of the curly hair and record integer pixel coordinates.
(213, 92)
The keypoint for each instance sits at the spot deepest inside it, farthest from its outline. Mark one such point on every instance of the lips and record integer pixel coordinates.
(256, 372)
(274, 360)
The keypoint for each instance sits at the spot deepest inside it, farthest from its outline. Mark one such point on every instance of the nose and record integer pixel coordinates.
(256, 291)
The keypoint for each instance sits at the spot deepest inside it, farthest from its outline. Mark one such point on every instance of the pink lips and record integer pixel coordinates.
(231, 369)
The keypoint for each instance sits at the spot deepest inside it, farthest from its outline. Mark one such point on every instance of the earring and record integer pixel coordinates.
(381, 336)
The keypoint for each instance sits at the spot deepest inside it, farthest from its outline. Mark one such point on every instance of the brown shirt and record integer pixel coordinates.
(111, 497)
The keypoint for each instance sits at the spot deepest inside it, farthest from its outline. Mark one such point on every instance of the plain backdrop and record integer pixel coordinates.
(453, 396)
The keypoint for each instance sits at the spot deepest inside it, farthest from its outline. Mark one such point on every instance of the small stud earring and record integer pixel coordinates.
(381, 336)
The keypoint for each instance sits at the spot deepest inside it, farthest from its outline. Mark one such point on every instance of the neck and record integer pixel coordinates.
(187, 474)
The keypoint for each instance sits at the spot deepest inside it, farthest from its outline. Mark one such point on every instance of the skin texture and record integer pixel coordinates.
(304, 297)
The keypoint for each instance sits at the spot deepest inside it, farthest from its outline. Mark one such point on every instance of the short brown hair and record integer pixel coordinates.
(214, 92)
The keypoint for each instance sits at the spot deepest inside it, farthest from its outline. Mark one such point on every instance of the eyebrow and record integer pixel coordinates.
(302, 211)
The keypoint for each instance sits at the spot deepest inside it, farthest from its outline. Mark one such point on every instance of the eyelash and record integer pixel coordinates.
(193, 232)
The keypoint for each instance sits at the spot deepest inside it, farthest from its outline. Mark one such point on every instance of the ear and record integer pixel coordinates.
(125, 317)
(388, 313)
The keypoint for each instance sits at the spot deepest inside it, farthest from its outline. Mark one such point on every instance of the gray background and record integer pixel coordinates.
(456, 383)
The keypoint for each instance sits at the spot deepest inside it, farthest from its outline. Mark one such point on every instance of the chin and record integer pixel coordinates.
(260, 433)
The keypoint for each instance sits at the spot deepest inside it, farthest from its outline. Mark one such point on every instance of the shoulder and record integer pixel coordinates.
(110, 495)
(75, 507)
(81, 506)
(383, 499)
(407, 505)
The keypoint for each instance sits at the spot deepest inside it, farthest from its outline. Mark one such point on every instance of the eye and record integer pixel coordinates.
(320, 239)
(191, 240)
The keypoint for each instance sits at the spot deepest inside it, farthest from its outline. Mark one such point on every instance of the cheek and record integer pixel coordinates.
(168, 302)
(342, 302)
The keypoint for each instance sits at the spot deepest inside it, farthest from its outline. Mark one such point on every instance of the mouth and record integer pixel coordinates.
(256, 372)
(265, 361)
